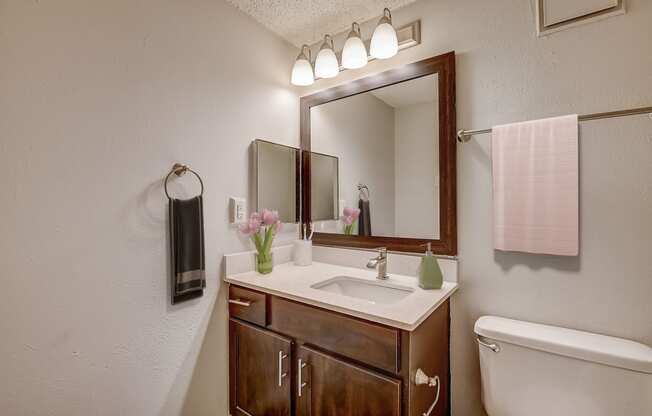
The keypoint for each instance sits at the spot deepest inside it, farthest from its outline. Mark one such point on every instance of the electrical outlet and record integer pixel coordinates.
(237, 210)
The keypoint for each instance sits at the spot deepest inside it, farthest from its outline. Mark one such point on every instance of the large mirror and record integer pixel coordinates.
(379, 156)
(387, 141)
(277, 179)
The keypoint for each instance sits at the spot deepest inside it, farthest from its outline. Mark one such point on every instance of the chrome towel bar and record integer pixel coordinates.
(464, 136)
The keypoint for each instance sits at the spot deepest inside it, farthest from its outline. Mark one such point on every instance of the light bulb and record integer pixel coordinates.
(326, 65)
(354, 54)
(302, 74)
(384, 43)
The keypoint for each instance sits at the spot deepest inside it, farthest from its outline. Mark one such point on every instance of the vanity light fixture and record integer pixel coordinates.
(354, 54)
(326, 65)
(302, 74)
(384, 43)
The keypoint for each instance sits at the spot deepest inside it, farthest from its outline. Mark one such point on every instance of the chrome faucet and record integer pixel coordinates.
(380, 261)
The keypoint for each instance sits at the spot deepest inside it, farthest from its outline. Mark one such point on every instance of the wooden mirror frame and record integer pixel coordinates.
(442, 65)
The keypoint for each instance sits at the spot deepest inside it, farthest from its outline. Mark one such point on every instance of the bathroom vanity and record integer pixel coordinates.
(333, 340)
(376, 168)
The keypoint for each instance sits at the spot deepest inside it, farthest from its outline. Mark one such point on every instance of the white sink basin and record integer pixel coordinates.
(371, 291)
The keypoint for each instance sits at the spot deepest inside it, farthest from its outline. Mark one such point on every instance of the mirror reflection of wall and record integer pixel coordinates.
(277, 183)
(386, 139)
(324, 181)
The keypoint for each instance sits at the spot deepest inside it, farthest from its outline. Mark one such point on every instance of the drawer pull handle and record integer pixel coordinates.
(281, 374)
(240, 302)
(300, 383)
(422, 379)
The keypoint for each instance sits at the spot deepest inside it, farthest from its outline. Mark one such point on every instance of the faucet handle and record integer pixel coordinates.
(382, 251)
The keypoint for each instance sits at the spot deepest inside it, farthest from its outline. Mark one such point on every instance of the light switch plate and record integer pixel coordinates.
(237, 210)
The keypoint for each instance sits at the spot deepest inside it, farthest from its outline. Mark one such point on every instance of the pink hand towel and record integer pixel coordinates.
(536, 186)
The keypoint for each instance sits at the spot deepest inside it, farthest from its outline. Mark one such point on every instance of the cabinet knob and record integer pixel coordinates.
(420, 379)
(281, 374)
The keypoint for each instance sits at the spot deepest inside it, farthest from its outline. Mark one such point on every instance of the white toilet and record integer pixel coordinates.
(535, 370)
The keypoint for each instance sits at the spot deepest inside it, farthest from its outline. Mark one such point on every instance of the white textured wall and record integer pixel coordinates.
(359, 130)
(97, 100)
(505, 74)
(416, 170)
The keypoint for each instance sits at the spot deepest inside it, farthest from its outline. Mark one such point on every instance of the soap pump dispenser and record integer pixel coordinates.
(430, 276)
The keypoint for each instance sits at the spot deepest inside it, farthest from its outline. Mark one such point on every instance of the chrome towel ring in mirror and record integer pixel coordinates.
(180, 170)
(363, 192)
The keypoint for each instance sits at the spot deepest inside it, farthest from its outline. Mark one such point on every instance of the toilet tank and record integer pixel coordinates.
(531, 369)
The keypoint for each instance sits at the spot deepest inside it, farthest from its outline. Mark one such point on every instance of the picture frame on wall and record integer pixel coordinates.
(555, 15)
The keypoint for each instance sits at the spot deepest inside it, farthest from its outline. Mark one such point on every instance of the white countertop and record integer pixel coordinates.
(293, 282)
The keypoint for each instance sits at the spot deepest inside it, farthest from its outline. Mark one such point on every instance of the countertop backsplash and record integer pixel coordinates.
(405, 264)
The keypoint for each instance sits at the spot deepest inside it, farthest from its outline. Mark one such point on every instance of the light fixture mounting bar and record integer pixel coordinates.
(408, 37)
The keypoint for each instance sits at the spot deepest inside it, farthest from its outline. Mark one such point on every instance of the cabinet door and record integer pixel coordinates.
(259, 368)
(327, 386)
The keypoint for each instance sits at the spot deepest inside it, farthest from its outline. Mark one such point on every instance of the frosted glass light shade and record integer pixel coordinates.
(302, 74)
(326, 65)
(354, 54)
(384, 43)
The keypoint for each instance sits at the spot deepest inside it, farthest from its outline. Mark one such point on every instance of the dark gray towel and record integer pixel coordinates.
(364, 222)
(187, 248)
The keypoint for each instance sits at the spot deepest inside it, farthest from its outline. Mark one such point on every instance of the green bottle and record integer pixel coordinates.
(430, 276)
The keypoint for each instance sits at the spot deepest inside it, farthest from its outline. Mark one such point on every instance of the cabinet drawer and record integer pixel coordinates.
(366, 342)
(248, 305)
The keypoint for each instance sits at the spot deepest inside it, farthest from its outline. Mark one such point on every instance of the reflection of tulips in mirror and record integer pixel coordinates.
(262, 228)
(350, 219)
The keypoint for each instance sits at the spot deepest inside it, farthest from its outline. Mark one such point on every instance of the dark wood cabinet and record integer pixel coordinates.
(260, 363)
(248, 305)
(332, 364)
(367, 342)
(333, 387)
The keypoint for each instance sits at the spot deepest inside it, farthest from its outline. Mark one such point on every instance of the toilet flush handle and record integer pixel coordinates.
(493, 347)
(420, 378)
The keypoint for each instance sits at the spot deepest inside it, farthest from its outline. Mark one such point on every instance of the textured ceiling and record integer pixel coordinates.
(306, 21)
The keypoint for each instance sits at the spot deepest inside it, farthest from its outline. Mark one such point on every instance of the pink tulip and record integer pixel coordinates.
(255, 225)
(245, 228)
(278, 226)
(269, 217)
(351, 212)
(348, 220)
(251, 227)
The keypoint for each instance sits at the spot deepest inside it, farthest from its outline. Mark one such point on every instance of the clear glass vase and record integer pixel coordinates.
(264, 262)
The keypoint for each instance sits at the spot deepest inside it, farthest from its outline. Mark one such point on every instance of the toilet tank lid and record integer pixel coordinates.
(615, 352)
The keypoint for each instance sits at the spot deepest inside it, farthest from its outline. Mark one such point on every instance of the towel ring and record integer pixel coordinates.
(361, 192)
(180, 170)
